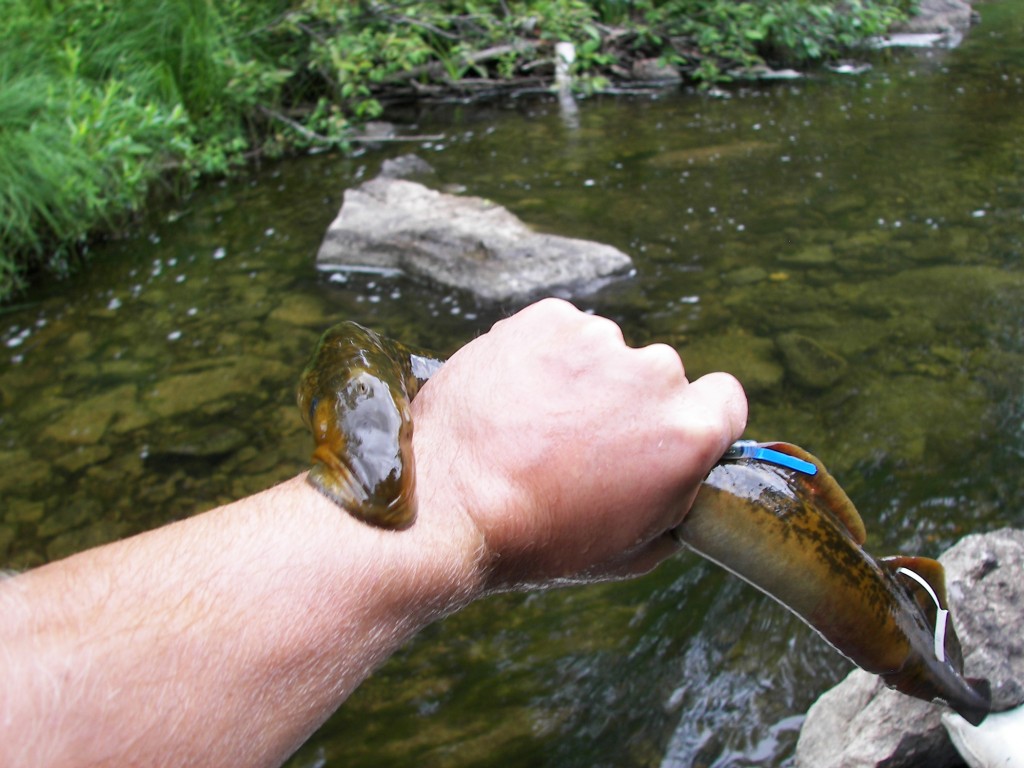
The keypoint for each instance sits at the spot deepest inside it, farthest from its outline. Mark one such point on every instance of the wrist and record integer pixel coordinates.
(415, 576)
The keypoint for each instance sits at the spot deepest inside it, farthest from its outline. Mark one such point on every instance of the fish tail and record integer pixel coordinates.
(974, 708)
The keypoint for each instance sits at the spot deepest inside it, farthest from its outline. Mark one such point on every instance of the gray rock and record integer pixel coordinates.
(862, 724)
(943, 16)
(463, 242)
(985, 580)
(408, 166)
(655, 70)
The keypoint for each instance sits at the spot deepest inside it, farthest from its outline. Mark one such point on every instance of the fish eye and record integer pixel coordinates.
(313, 404)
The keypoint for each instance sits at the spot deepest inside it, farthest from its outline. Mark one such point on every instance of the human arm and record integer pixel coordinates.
(547, 451)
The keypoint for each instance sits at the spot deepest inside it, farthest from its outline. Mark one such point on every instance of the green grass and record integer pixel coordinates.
(98, 102)
(102, 101)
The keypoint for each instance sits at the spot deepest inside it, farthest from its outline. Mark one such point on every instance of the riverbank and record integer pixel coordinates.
(108, 107)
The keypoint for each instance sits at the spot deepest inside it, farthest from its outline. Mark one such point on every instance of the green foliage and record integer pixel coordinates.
(724, 35)
(358, 49)
(101, 99)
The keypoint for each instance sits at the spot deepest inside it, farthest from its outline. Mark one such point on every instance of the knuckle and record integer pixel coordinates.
(662, 361)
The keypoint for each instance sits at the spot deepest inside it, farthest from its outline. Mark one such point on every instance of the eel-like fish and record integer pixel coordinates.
(354, 396)
(768, 512)
(772, 514)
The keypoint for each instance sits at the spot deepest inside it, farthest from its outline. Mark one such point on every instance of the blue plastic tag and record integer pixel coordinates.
(748, 449)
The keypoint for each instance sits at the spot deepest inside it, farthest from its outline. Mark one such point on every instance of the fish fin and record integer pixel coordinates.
(935, 575)
(823, 485)
(974, 713)
(928, 569)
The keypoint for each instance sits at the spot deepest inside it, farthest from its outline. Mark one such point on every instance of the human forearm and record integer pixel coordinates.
(224, 638)
(547, 451)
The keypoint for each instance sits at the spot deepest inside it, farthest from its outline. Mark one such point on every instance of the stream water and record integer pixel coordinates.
(849, 246)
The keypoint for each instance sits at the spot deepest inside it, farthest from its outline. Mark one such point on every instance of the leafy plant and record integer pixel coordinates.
(102, 99)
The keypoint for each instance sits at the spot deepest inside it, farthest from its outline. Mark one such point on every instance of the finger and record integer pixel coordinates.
(717, 407)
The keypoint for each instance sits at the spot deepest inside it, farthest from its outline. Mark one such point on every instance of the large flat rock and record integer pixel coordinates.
(460, 241)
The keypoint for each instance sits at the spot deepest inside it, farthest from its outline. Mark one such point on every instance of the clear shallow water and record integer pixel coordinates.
(849, 247)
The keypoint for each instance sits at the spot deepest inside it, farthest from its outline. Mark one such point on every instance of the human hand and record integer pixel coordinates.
(569, 452)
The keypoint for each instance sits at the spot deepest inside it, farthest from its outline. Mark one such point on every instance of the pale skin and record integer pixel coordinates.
(547, 452)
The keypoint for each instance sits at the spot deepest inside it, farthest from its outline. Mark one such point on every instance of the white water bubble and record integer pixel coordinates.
(18, 339)
(219, 253)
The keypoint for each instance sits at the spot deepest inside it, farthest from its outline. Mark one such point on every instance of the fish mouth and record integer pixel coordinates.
(333, 477)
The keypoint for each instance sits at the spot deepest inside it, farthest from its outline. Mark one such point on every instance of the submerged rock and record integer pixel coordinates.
(86, 422)
(862, 723)
(222, 380)
(463, 242)
(751, 359)
(808, 363)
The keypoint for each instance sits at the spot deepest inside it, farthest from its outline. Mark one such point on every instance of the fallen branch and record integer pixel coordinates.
(296, 126)
(434, 69)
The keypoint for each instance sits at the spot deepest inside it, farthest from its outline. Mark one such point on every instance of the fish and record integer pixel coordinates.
(770, 513)
(354, 395)
(784, 525)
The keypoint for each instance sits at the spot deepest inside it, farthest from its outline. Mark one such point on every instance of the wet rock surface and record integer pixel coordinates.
(860, 723)
(460, 241)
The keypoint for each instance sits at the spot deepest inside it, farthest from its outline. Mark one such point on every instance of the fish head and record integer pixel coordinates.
(352, 396)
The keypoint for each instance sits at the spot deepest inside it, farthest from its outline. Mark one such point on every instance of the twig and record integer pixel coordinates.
(414, 137)
(488, 54)
(295, 125)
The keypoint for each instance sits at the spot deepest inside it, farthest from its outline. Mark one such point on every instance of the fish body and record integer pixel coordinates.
(797, 537)
(354, 395)
(784, 526)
